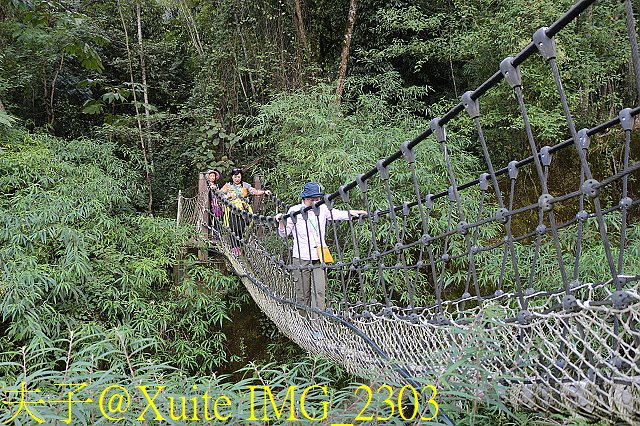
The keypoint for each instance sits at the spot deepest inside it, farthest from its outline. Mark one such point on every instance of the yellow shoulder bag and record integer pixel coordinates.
(323, 251)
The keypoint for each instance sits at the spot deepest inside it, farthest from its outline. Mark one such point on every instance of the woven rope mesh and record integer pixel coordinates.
(544, 287)
(191, 210)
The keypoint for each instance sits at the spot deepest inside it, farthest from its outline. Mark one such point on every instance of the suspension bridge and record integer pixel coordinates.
(555, 326)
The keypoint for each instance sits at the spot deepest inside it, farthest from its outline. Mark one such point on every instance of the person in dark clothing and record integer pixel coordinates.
(215, 206)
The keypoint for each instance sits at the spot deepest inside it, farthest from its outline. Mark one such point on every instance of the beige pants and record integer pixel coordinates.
(310, 284)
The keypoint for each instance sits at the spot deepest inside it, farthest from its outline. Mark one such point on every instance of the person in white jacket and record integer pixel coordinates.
(307, 238)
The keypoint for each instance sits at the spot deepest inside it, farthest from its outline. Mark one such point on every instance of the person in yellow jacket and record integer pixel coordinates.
(237, 193)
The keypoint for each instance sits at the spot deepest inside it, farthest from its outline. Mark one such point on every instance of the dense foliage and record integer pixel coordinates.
(213, 81)
(109, 108)
(75, 255)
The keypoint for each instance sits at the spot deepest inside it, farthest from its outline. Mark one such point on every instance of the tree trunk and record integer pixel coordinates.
(191, 26)
(45, 95)
(303, 51)
(135, 104)
(195, 28)
(53, 88)
(143, 68)
(2, 108)
(351, 20)
(300, 26)
(246, 55)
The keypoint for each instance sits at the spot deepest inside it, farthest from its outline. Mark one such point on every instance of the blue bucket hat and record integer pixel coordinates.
(311, 190)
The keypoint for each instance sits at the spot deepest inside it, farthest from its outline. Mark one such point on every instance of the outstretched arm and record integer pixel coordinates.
(283, 229)
(357, 213)
(254, 191)
(336, 214)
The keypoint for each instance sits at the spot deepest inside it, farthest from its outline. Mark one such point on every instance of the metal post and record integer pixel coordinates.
(203, 216)
(179, 207)
(257, 201)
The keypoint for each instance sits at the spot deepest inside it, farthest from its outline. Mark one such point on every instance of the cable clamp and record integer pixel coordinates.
(408, 153)
(428, 201)
(405, 208)
(484, 181)
(583, 139)
(621, 299)
(461, 228)
(590, 188)
(452, 194)
(383, 170)
(546, 45)
(582, 216)
(328, 202)
(511, 73)
(513, 169)
(316, 208)
(626, 120)
(626, 202)
(524, 317)
(344, 195)
(544, 202)
(470, 105)
(502, 215)
(362, 184)
(545, 156)
(570, 303)
(438, 131)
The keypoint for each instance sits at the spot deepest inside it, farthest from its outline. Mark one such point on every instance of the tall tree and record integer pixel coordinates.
(143, 70)
(53, 45)
(300, 25)
(50, 109)
(191, 26)
(246, 56)
(351, 21)
(135, 103)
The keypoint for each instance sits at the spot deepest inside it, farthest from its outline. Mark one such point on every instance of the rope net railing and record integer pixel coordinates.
(556, 270)
(191, 211)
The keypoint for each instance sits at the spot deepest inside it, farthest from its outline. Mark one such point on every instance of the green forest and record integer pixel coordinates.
(108, 108)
